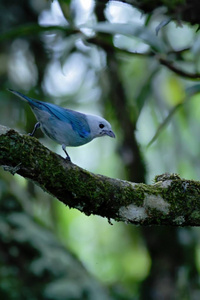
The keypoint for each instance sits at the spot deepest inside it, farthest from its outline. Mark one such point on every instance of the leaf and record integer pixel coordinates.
(162, 24)
(131, 29)
(196, 46)
(69, 45)
(34, 29)
(143, 93)
(189, 92)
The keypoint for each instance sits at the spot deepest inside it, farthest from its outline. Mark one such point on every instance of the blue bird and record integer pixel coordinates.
(65, 126)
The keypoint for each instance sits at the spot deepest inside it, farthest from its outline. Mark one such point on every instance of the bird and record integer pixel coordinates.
(65, 126)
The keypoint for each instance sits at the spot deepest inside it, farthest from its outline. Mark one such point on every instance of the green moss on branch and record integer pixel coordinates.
(170, 201)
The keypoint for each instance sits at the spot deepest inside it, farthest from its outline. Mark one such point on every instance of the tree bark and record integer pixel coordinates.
(169, 201)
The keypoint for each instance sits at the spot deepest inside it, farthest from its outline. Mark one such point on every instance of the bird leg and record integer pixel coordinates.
(37, 125)
(67, 155)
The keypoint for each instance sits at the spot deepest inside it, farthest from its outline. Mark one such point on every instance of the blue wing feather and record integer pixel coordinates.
(77, 120)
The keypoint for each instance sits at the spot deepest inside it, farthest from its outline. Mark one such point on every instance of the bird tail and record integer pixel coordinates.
(22, 96)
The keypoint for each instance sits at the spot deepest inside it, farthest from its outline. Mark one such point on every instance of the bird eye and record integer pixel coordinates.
(101, 125)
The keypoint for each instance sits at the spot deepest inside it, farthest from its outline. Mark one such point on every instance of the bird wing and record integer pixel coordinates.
(75, 119)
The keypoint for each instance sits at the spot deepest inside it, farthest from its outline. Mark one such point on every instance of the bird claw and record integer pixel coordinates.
(68, 158)
(37, 125)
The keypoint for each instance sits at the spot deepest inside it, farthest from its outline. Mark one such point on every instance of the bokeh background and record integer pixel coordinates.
(48, 251)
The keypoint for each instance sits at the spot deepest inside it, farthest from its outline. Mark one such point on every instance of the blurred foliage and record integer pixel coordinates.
(105, 58)
(33, 263)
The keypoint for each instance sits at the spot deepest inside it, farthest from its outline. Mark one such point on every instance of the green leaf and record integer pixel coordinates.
(31, 29)
(196, 46)
(189, 92)
(144, 91)
(131, 29)
(162, 24)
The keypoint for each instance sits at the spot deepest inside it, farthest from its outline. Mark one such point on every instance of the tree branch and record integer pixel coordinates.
(176, 70)
(170, 200)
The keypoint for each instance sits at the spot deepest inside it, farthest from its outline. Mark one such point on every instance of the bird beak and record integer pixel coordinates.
(109, 133)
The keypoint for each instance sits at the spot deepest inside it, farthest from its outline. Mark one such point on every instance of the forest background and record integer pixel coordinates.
(136, 64)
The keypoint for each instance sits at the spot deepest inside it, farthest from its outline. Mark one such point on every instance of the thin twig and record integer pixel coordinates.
(178, 71)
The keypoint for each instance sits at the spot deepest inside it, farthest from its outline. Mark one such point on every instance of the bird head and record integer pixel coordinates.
(99, 127)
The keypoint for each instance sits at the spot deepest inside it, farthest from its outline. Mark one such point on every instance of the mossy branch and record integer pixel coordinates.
(169, 201)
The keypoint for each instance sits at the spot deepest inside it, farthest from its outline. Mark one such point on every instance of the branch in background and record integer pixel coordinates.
(178, 71)
(135, 167)
(109, 48)
(170, 201)
(130, 153)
